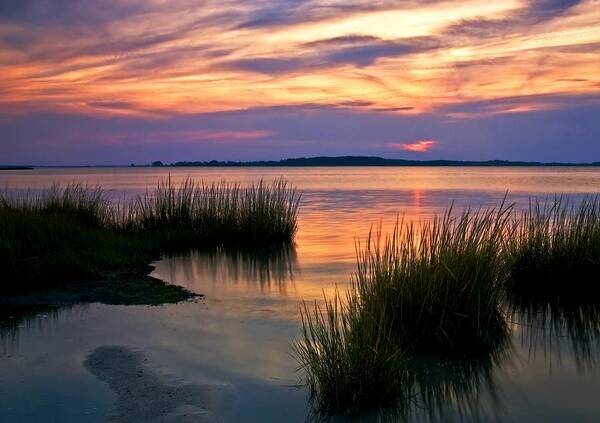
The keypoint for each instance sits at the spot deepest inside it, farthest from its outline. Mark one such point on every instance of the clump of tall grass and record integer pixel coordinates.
(76, 232)
(59, 234)
(434, 287)
(440, 281)
(555, 251)
(553, 260)
(222, 212)
(350, 363)
(87, 205)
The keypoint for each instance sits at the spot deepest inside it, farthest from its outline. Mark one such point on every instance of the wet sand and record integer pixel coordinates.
(143, 397)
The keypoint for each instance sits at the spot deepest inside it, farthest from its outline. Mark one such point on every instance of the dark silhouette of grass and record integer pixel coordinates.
(443, 289)
(75, 234)
(350, 362)
(554, 253)
(219, 213)
(436, 288)
(553, 260)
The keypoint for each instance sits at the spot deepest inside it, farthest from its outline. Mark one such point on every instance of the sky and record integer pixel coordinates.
(132, 81)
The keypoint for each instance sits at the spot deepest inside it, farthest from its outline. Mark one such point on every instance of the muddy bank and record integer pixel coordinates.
(119, 289)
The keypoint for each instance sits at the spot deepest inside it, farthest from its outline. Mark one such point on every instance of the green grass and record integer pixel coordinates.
(220, 213)
(440, 282)
(75, 234)
(433, 288)
(350, 363)
(444, 289)
(555, 252)
(59, 234)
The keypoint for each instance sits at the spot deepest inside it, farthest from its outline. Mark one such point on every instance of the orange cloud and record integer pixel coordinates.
(164, 58)
(421, 146)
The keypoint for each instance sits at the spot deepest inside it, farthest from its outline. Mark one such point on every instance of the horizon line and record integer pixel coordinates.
(322, 161)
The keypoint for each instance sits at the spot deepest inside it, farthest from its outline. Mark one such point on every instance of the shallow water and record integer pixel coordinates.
(236, 341)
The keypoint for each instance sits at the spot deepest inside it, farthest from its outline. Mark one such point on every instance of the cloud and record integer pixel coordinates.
(520, 21)
(570, 133)
(270, 65)
(279, 13)
(518, 104)
(190, 136)
(549, 9)
(364, 52)
(295, 59)
(360, 51)
(355, 103)
(421, 146)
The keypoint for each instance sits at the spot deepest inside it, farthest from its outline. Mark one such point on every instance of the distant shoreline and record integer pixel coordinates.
(16, 168)
(325, 161)
(364, 161)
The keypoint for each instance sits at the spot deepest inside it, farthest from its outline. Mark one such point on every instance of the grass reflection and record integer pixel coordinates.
(461, 388)
(15, 318)
(554, 327)
(271, 269)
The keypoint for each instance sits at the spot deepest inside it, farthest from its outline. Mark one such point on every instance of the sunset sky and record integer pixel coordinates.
(121, 81)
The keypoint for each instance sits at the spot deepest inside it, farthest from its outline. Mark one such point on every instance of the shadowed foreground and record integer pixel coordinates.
(74, 244)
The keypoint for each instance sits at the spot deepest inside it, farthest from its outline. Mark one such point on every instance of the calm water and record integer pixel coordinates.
(237, 339)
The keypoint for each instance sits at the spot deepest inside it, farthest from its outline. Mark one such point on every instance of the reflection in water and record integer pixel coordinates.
(240, 333)
(459, 388)
(455, 387)
(30, 318)
(554, 327)
(271, 269)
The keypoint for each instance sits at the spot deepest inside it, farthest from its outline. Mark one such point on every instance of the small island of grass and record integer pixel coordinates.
(448, 290)
(72, 244)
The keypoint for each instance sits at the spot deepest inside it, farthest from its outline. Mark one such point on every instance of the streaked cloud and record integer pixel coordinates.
(359, 51)
(569, 133)
(400, 59)
(186, 136)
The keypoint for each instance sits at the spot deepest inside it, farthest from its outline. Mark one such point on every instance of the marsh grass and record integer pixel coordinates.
(553, 294)
(58, 233)
(444, 289)
(440, 282)
(220, 213)
(76, 232)
(88, 205)
(350, 363)
(429, 288)
(554, 254)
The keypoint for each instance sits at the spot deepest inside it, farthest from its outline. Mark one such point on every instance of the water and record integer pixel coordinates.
(234, 345)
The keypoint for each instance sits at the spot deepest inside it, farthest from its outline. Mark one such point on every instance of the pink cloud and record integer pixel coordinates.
(421, 146)
(189, 136)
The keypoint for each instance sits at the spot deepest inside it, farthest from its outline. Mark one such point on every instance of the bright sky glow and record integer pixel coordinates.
(405, 59)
